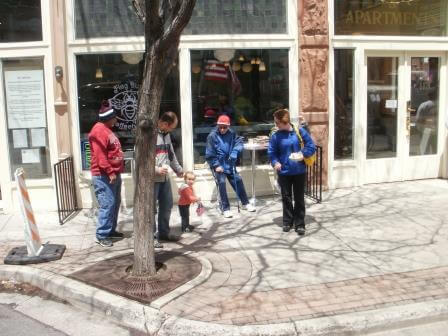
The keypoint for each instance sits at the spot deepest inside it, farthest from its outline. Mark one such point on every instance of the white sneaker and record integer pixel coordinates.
(227, 214)
(249, 207)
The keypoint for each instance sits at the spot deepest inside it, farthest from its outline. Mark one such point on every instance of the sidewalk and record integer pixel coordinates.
(375, 254)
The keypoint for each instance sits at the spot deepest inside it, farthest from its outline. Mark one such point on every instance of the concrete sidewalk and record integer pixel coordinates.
(373, 258)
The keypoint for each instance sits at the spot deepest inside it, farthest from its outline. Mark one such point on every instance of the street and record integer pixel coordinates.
(41, 314)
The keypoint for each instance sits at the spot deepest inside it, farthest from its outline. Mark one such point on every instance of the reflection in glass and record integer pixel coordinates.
(109, 18)
(248, 85)
(343, 104)
(424, 105)
(382, 106)
(238, 17)
(106, 18)
(26, 117)
(119, 82)
(391, 17)
(20, 21)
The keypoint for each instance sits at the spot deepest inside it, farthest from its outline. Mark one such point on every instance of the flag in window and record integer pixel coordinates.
(215, 70)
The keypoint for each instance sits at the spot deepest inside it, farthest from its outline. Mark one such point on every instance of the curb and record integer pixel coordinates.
(154, 322)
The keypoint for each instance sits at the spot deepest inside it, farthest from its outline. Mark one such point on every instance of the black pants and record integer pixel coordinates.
(293, 208)
(184, 211)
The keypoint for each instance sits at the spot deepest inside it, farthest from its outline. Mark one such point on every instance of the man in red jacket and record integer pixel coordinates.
(106, 166)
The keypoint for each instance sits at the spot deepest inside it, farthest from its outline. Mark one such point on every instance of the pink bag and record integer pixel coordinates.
(200, 209)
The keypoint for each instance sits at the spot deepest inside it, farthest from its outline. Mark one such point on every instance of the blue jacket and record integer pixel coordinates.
(283, 143)
(223, 150)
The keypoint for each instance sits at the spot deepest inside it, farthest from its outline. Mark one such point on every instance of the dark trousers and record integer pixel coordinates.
(184, 211)
(164, 199)
(293, 199)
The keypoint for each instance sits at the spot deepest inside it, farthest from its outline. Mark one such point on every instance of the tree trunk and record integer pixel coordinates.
(150, 96)
(162, 41)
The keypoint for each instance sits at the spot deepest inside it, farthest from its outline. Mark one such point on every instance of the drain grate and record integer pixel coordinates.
(174, 269)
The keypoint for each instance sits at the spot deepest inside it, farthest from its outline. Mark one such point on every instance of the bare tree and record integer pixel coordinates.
(164, 22)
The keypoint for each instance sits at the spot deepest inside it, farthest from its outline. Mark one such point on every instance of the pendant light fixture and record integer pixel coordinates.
(99, 71)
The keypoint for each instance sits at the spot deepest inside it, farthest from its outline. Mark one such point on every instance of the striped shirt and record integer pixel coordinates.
(165, 155)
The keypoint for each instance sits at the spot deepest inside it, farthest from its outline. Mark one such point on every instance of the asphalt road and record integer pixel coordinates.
(14, 323)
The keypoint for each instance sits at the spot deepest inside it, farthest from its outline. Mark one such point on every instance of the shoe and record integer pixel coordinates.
(157, 244)
(249, 207)
(169, 238)
(116, 234)
(227, 214)
(105, 242)
(300, 230)
(286, 228)
(189, 228)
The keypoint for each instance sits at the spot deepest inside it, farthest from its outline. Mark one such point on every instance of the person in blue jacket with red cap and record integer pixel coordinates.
(222, 151)
(286, 153)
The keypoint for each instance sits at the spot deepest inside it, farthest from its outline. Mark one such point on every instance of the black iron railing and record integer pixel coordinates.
(313, 182)
(64, 176)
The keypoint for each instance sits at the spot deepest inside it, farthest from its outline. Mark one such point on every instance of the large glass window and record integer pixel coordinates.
(238, 17)
(424, 105)
(248, 85)
(108, 18)
(26, 117)
(117, 77)
(391, 17)
(343, 104)
(382, 107)
(20, 21)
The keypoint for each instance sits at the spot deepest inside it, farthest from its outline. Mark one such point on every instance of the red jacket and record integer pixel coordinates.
(106, 154)
(186, 195)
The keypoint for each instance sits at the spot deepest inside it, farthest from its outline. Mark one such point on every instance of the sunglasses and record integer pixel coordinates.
(223, 127)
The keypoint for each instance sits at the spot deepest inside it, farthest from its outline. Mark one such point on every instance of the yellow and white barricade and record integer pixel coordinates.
(32, 238)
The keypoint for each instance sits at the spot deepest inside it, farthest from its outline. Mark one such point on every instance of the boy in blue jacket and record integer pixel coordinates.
(222, 151)
(286, 154)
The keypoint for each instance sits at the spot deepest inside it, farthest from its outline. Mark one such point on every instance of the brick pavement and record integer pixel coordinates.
(303, 302)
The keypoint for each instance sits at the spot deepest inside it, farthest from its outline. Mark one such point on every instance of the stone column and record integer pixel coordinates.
(313, 39)
(58, 33)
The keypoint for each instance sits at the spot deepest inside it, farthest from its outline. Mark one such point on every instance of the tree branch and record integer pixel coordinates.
(139, 6)
(154, 24)
(181, 17)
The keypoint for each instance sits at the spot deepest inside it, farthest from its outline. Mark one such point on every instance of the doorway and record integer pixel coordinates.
(401, 109)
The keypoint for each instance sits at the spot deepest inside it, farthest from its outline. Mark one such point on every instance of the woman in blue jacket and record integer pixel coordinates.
(291, 169)
(222, 151)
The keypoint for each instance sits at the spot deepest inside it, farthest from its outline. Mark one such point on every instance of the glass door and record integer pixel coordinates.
(423, 123)
(384, 116)
(401, 106)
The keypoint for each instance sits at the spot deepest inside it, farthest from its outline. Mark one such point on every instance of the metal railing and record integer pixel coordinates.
(64, 176)
(313, 181)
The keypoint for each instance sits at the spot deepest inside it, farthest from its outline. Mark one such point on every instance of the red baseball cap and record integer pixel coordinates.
(223, 120)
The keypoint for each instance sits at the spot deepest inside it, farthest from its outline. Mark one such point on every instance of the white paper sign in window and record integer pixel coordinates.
(25, 98)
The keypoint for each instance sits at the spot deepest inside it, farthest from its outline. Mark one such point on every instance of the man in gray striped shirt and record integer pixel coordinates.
(165, 158)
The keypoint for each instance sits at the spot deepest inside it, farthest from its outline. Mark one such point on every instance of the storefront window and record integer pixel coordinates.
(26, 117)
(116, 77)
(247, 84)
(108, 18)
(238, 17)
(20, 21)
(343, 104)
(391, 17)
